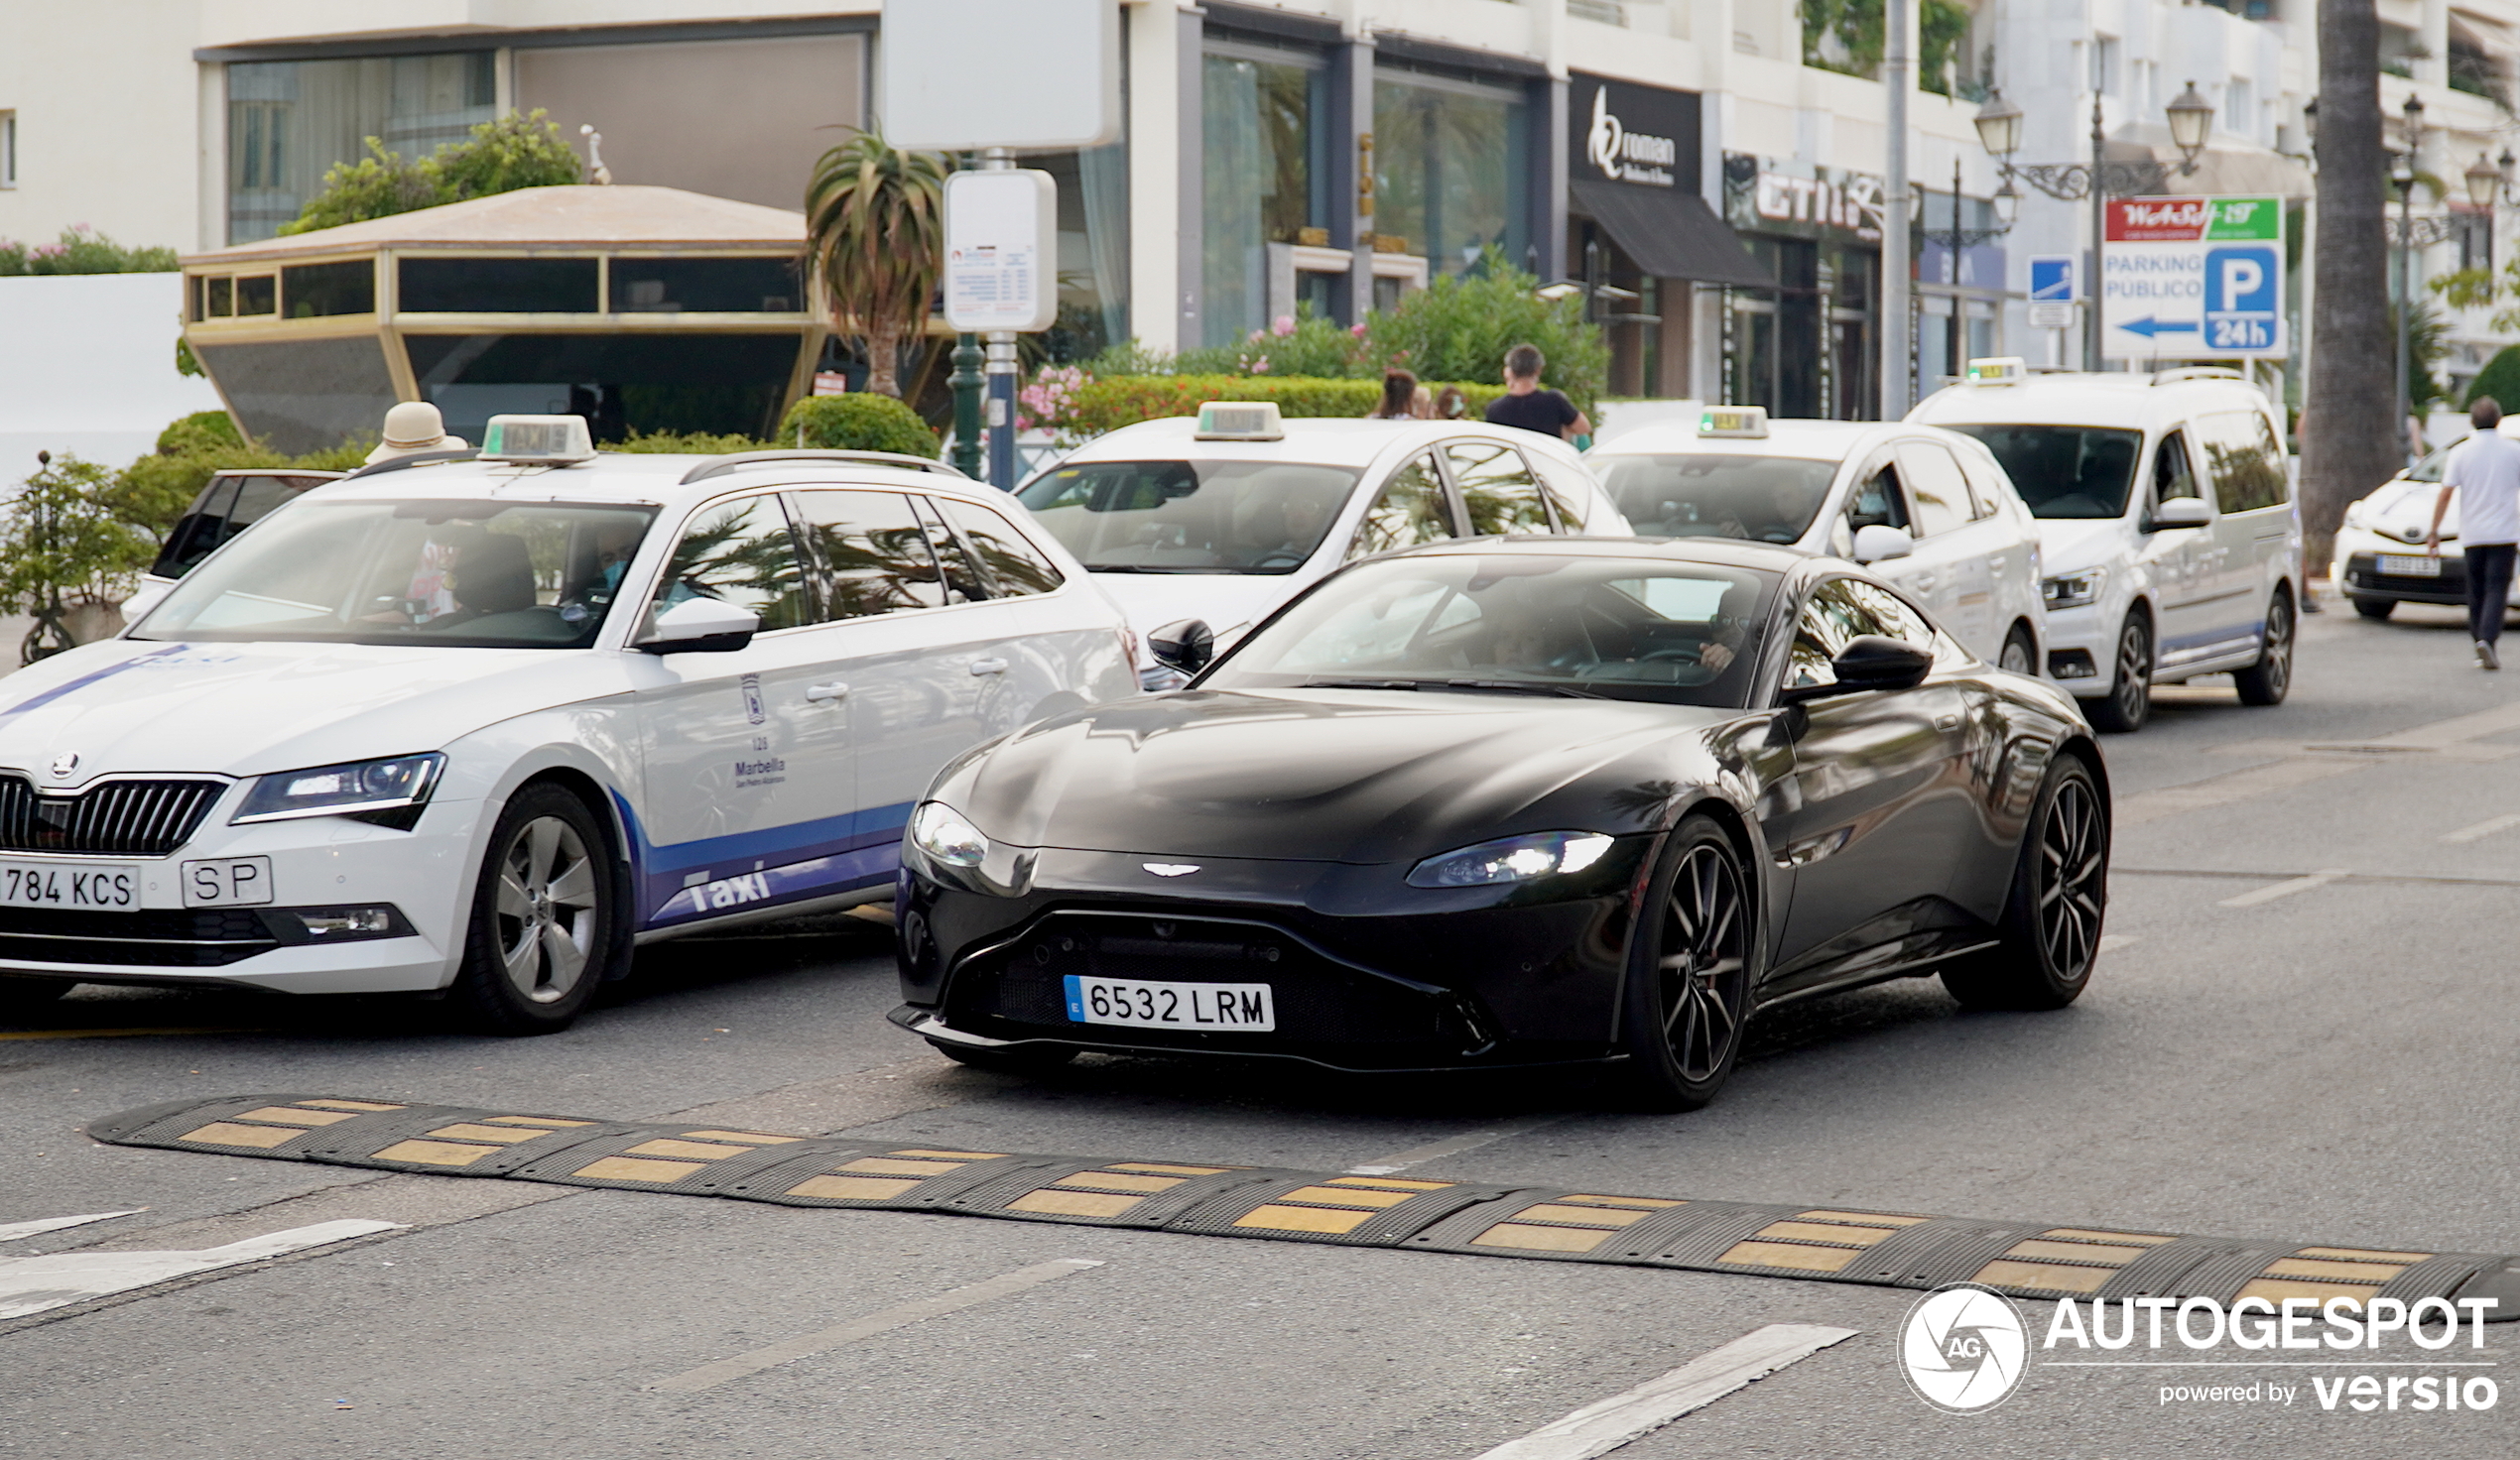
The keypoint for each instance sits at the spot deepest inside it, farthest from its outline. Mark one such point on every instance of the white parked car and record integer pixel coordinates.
(1928, 510)
(481, 725)
(2166, 515)
(1224, 517)
(2381, 561)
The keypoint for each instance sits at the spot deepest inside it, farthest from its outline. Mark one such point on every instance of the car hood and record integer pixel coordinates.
(243, 709)
(1337, 776)
(2070, 544)
(1227, 601)
(2404, 510)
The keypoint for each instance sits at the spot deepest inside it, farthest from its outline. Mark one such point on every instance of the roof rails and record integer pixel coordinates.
(417, 458)
(720, 465)
(2196, 372)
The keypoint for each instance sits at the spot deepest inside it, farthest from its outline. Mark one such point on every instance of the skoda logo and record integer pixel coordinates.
(1171, 869)
(1964, 1349)
(64, 764)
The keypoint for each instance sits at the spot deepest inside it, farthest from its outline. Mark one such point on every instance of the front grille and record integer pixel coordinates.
(114, 818)
(158, 938)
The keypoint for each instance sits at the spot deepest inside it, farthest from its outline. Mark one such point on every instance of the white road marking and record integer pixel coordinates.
(1400, 1160)
(33, 1284)
(2112, 941)
(711, 1374)
(1599, 1429)
(2310, 882)
(2483, 830)
(12, 1231)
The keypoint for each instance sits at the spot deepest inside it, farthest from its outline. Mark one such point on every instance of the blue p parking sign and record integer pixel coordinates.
(2241, 297)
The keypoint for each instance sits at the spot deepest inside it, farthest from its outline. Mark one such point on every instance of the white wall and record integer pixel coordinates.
(87, 368)
(108, 104)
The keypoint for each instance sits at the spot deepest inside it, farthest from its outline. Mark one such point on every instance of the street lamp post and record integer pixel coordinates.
(2405, 177)
(1956, 242)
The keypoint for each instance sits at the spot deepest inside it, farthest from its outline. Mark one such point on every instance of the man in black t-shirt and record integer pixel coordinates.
(1526, 405)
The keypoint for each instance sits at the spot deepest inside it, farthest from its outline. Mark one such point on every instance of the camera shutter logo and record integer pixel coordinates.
(1964, 1349)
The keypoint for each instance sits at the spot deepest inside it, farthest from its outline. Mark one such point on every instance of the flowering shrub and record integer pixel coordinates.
(1049, 403)
(82, 250)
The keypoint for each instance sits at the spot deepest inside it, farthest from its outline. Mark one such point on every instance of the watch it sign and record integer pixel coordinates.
(1640, 135)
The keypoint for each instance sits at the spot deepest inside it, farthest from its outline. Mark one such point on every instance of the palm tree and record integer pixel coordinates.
(2350, 445)
(875, 227)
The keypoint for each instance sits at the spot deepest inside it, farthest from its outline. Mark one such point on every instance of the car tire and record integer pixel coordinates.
(2050, 930)
(2020, 653)
(2375, 609)
(549, 918)
(2269, 679)
(1017, 1059)
(1693, 967)
(25, 995)
(2130, 701)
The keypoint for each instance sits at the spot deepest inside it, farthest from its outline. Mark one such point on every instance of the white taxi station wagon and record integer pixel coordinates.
(481, 725)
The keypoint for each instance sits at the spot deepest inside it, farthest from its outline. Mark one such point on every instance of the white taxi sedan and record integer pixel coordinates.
(480, 726)
(1929, 510)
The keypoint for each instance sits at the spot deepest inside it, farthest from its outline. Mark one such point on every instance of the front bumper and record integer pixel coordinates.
(2082, 644)
(2357, 571)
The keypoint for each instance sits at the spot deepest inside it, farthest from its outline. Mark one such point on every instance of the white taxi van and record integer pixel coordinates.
(481, 725)
(1928, 510)
(2166, 514)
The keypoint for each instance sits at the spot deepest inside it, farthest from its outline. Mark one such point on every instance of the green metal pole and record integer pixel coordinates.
(966, 381)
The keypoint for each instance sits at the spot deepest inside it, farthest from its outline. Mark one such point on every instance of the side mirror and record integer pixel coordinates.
(1189, 646)
(700, 625)
(1870, 661)
(151, 592)
(2182, 512)
(1879, 541)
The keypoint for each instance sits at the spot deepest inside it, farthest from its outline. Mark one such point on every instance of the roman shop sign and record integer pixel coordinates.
(1639, 135)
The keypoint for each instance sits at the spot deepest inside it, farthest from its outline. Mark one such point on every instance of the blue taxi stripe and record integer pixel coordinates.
(83, 680)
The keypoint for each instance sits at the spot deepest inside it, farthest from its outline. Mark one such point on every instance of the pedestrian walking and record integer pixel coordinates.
(1399, 397)
(2485, 470)
(1526, 405)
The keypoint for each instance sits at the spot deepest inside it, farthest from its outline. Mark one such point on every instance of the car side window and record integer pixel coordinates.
(1569, 495)
(2245, 459)
(1015, 566)
(1408, 511)
(1934, 483)
(741, 552)
(1878, 502)
(874, 553)
(1987, 484)
(962, 581)
(1832, 618)
(1497, 490)
(2172, 476)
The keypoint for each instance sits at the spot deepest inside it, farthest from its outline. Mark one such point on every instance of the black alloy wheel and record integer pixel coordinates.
(2050, 933)
(2130, 701)
(549, 917)
(2021, 651)
(2269, 679)
(2375, 609)
(1690, 976)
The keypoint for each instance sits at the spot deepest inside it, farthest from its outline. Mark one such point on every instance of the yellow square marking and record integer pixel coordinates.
(1787, 1255)
(1339, 1196)
(1539, 1239)
(2075, 1252)
(2040, 1274)
(699, 1150)
(2085, 1234)
(2357, 1254)
(533, 1120)
(1303, 1219)
(1652, 1202)
(886, 1166)
(348, 1105)
(1591, 1216)
(261, 1137)
(622, 1168)
(747, 1137)
(1073, 1203)
(1827, 1232)
(1862, 1219)
(853, 1189)
(1120, 1182)
(465, 1131)
(2276, 1290)
(1169, 1170)
(436, 1152)
(1386, 1184)
(281, 1115)
(954, 1155)
(2342, 1271)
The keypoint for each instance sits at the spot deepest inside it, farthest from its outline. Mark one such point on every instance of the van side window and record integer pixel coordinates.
(2245, 460)
(2172, 476)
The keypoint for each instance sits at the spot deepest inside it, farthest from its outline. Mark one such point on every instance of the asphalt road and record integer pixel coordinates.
(2300, 1030)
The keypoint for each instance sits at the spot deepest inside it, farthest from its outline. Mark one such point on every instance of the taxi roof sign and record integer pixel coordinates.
(1998, 370)
(1733, 420)
(1240, 420)
(537, 440)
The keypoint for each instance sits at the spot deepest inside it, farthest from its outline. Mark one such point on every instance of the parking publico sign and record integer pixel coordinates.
(2194, 279)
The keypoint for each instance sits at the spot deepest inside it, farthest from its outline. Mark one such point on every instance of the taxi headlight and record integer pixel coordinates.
(941, 832)
(2072, 590)
(1513, 859)
(401, 783)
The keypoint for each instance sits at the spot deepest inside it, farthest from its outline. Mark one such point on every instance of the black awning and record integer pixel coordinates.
(1672, 234)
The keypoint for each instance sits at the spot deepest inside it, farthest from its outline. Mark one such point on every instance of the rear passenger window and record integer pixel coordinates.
(2171, 474)
(1409, 511)
(1497, 490)
(1570, 494)
(1987, 484)
(1013, 565)
(2244, 460)
(1935, 486)
(962, 581)
(743, 554)
(874, 553)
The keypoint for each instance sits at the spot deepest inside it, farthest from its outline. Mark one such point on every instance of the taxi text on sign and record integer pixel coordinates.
(2194, 279)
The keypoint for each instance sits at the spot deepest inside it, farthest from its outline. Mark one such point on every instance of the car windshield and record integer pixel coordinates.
(1670, 633)
(1190, 517)
(469, 575)
(1765, 499)
(2066, 470)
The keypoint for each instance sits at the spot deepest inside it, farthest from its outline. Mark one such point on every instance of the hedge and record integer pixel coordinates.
(2499, 379)
(1116, 401)
(858, 422)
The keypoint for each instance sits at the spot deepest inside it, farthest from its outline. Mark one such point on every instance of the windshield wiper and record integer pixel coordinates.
(1361, 685)
(1522, 686)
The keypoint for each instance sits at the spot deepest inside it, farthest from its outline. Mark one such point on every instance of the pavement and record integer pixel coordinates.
(2299, 1030)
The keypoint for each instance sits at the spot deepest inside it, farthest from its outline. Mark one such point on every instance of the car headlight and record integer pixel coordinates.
(400, 783)
(1513, 859)
(2072, 590)
(941, 832)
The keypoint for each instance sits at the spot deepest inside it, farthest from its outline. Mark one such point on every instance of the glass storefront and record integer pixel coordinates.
(1094, 249)
(1265, 180)
(1452, 167)
(1806, 347)
(289, 121)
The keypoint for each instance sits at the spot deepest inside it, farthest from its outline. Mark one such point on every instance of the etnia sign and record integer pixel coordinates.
(2194, 279)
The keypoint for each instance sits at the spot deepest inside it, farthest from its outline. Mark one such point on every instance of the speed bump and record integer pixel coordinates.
(1827, 1244)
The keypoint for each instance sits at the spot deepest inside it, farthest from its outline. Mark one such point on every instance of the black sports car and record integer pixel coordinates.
(1514, 803)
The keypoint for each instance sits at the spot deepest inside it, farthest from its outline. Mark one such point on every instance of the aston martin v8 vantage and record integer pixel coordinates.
(1506, 803)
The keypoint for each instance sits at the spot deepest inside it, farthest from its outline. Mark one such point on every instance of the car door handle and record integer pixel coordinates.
(814, 692)
(988, 666)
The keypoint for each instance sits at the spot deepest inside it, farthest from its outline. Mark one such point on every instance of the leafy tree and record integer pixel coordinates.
(2499, 379)
(151, 494)
(1459, 327)
(875, 227)
(62, 543)
(862, 422)
(501, 156)
(82, 250)
(2346, 447)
